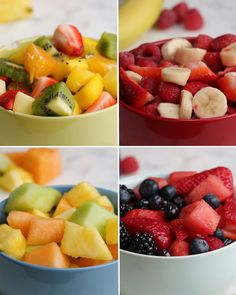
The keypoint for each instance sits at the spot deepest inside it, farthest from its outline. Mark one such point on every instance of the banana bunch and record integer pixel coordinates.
(135, 18)
(12, 10)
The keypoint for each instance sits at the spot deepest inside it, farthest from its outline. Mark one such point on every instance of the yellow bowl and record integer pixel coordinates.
(93, 129)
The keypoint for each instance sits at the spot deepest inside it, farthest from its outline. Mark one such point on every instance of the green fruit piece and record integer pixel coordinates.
(107, 45)
(92, 215)
(13, 71)
(5, 163)
(56, 100)
(31, 196)
(47, 45)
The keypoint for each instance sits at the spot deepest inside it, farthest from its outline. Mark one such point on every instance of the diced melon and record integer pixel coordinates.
(20, 220)
(114, 251)
(45, 230)
(12, 241)
(86, 262)
(66, 215)
(105, 202)
(85, 242)
(62, 206)
(81, 194)
(5, 163)
(112, 231)
(39, 213)
(23, 103)
(49, 255)
(31, 196)
(92, 215)
(18, 157)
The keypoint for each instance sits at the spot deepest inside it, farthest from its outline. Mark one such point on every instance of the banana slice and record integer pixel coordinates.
(168, 110)
(186, 105)
(232, 74)
(169, 49)
(209, 102)
(134, 76)
(175, 75)
(228, 55)
(186, 55)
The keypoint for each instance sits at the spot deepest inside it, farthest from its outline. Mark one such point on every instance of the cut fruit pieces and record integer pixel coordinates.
(78, 78)
(66, 215)
(228, 55)
(3, 88)
(104, 101)
(13, 71)
(112, 231)
(100, 64)
(175, 75)
(62, 206)
(168, 110)
(41, 84)
(110, 81)
(107, 45)
(169, 49)
(186, 105)
(105, 203)
(23, 103)
(46, 45)
(186, 55)
(5, 163)
(20, 220)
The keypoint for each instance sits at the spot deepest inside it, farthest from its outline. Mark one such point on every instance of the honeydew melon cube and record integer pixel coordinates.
(23, 103)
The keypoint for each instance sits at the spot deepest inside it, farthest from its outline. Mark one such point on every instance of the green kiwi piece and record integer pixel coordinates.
(107, 45)
(13, 71)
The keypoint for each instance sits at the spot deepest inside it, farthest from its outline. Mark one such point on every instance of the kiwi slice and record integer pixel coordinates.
(55, 100)
(47, 45)
(107, 45)
(13, 71)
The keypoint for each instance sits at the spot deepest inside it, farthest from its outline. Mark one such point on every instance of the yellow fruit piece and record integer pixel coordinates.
(78, 78)
(90, 92)
(77, 109)
(90, 45)
(60, 71)
(66, 215)
(112, 231)
(76, 62)
(39, 213)
(85, 242)
(62, 206)
(12, 10)
(12, 241)
(100, 64)
(81, 194)
(105, 203)
(18, 55)
(110, 82)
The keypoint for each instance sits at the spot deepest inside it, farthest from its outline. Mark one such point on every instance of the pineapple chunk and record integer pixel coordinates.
(39, 213)
(66, 215)
(12, 241)
(112, 231)
(12, 10)
(105, 203)
(90, 46)
(85, 242)
(62, 206)
(110, 81)
(80, 63)
(81, 194)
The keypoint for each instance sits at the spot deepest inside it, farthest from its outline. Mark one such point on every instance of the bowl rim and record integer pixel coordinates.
(56, 269)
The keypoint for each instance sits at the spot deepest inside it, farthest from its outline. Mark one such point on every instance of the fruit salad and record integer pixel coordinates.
(78, 229)
(181, 78)
(187, 213)
(63, 75)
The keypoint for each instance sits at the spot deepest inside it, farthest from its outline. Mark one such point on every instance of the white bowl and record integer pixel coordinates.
(212, 273)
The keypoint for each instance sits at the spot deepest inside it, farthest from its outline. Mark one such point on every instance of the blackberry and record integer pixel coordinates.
(124, 237)
(179, 201)
(125, 208)
(144, 244)
(156, 202)
(163, 253)
(228, 242)
(126, 194)
(142, 204)
(172, 211)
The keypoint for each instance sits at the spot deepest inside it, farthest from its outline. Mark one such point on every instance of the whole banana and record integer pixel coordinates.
(12, 10)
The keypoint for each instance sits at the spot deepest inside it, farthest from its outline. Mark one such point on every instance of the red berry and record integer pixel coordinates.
(214, 243)
(193, 20)
(41, 84)
(230, 209)
(223, 41)
(129, 165)
(149, 51)
(166, 63)
(227, 84)
(167, 19)
(147, 71)
(203, 41)
(180, 9)
(145, 62)
(169, 92)
(150, 108)
(125, 59)
(5, 79)
(7, 99)
(213, 60)
(195, 86)
(179, 248)
(178, 229)
(151, 84)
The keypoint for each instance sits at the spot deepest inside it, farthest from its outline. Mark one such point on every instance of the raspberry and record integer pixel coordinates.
(126, 58)
(222, 41)
(169, 92)
(129, 165)
(148, 51)
(203, 41)
(213, 60)
(151, 84)
(145, 62)
(194, 87)
(214, 243)
(180, 9)
(193, 20)
(167, 19)
(150, 108)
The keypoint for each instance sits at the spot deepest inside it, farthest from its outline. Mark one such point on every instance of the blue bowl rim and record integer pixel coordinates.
(50, 269)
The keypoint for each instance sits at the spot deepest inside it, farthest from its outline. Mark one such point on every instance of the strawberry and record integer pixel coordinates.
(41, 84)
(25, 88)
(166, 63)
(132, 93)
(145, 62)
(146, 71)
(227, 84)
(227, 70)
(129, 165)
(151, 84)
(149, 51)
(7, 99)
(169, 92)
(200, 72)
(178, 229)
(222, 41)
(178, 175)
(180, 10)
(195, 86)
(125, 59)
(231, 109)
(230, 210)
(167, 19)
(143, 213)
(150, 108)
(68, 39)
(187, 184)
(179, 248)
(213, 60)
(104, 101)
(5, 79)
(202, 41)
(193, 20)
(214, 243)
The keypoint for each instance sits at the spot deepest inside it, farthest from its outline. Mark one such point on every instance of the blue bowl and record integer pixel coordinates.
(20, 278)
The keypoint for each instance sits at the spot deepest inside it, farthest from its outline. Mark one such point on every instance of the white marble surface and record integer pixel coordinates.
(99, 166)
(219, 18)
(92, 17)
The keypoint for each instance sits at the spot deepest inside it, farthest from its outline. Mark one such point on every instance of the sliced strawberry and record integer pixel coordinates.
(129, 165)
(222, 41)
(5, 79)
(25, 88)
(227, 84)
(230, 210)
(166, 63)
(201, 72)
(149, 214)
(179, 248)
(68, 39)
(178, 175)
(160, 181)
(179, 230)
(104, 101)
(214, 243)
(195, 86)
(132, 93)
(41, 84)
(151, 84)
(220, 210)
(186, 185)
(7, 99)
(226, 70)
(203, 41)
(169, 92)
(146, 71)
(213, 60)
(150, 108)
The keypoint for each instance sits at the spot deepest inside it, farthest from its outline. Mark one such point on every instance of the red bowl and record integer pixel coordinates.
(138, 128)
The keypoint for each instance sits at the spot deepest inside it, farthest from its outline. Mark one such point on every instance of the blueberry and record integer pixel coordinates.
(212, 200)
(219, 234)
(142, 204)
(168, 192)
(198, 246)
(228, 242)
(148, 188)
(179, 201)
(172, 211)
(163, 253)
(156, 202)
(126, 195)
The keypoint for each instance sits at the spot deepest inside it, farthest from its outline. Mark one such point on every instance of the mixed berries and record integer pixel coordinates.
(189, 213)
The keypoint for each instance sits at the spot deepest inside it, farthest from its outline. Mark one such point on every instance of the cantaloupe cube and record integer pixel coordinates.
(112, 231)
(49, 255)
(81, 194)
(114, 251)
(86, 262)
(62, 206)
(20, 220)
(45, 230)
(85, 242)
(18, 158)
(105, 202)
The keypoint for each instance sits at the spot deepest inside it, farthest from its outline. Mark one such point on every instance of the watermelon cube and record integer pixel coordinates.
(179, 248)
